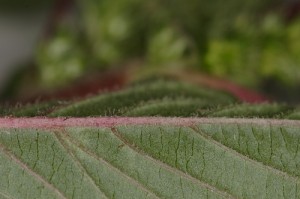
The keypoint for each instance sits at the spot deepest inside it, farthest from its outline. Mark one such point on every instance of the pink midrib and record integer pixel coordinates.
(44, 122)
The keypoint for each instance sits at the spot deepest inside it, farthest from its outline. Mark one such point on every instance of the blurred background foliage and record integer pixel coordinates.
(253, 43)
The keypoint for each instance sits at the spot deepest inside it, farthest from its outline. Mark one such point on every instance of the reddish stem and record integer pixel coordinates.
(50, 123)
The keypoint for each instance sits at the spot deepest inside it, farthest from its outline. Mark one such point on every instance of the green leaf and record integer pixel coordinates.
(149, 158)
(136, 156)
(294, 115)
(172, 107)
(31, 110)
(157, 98)
(263, 110)
(120, 102)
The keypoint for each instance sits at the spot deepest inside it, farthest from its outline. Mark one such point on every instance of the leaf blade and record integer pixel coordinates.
(195, 158)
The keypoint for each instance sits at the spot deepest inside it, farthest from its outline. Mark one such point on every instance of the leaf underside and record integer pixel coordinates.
(122, 158)
(200, 160)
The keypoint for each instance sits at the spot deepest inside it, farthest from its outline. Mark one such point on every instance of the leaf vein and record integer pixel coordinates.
(242, 156)
(79, 164)
(172, 169)
(30, 171)
(5, 195)
(102, 160)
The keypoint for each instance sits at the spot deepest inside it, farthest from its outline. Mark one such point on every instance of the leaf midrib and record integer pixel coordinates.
(60, 122)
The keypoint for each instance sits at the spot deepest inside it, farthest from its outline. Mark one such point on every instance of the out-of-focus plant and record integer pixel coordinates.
(242, 41)
(60, 59)
(164, 32)
(169, 47)
(113, 29)
(23, 6)
(266, 50)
